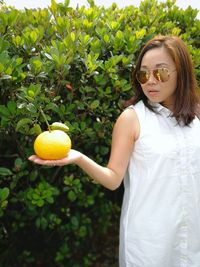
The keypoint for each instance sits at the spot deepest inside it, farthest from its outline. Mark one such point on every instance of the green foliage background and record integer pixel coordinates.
(75, 64)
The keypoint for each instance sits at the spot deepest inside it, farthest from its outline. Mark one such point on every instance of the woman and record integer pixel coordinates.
(159, 134)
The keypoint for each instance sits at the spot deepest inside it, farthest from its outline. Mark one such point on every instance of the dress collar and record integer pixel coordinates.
(161, 109)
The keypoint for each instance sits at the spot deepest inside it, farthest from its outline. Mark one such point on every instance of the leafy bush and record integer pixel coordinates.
(74, 65)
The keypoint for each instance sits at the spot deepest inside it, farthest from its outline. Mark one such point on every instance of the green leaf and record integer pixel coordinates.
(17, 40)
(4, 111)
(73, 37)
(5, 171)
(36, 88)
(50, 200)
(5, 77)
(41, 222)
(74, 222)
(12, 106)
(106, 38)
(4, 193)
(23, 122)
(94, 104)
(31, 108)
(35, 130)
(40, 203)
(82, 231)
(4, 204)
(33, 36)
(119, 35)
(67, 2)
(91, 3)
(71, 196)
(59, 126)
(90, 200)
(35, 196)
(18, 163)
(48, 56)
(33, 175)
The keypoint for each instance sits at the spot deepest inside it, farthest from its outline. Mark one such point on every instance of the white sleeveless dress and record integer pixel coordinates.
(160, 218)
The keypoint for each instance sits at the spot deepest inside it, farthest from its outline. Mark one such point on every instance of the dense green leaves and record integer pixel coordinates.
(4, 193)
(74, 65)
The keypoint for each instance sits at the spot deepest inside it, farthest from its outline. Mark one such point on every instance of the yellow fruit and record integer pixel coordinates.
(52, 145)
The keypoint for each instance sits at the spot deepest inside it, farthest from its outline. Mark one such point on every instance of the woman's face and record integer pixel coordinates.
(155, 89)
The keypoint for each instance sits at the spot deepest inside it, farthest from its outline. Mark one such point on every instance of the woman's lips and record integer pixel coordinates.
(153, 92)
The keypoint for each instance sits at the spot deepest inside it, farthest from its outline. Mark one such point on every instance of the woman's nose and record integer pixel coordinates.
(151, 79)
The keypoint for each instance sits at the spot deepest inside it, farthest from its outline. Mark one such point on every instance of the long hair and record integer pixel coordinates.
(187, 99)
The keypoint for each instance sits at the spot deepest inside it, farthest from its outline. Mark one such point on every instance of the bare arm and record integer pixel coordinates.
(125, 133)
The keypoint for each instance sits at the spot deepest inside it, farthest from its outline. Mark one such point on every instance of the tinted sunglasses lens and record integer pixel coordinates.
(142, 76)
(161, 74)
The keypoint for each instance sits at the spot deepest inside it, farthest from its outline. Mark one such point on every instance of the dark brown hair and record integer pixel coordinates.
(187, 100)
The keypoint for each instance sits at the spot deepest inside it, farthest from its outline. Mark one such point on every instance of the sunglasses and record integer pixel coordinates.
(160, 74)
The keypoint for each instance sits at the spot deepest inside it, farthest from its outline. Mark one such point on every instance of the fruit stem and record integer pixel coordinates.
(44, 116)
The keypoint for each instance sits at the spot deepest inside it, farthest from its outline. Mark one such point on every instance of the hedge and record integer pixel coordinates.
(74, 64)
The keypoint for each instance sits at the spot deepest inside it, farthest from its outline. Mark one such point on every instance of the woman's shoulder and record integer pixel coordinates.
(139, 109)
(139, 105)
(127, 115)
(128, 120)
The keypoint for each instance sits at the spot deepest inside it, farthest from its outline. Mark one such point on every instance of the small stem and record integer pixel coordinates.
(44, 116)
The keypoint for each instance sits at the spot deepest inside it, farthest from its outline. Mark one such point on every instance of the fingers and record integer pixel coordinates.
(32, 157)
(40, 161)
(37, 160)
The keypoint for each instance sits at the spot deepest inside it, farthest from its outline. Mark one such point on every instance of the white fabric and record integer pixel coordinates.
(160, 219)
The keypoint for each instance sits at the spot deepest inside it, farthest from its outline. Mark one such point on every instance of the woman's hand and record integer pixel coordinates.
(72, 158)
